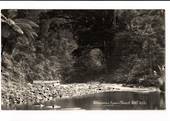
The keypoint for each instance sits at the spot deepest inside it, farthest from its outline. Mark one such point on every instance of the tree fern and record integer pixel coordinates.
(22, 26)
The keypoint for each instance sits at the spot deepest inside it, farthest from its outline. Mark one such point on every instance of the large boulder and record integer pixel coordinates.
(96, 59)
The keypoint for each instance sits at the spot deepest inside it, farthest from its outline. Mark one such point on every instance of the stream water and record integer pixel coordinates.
(106, 101)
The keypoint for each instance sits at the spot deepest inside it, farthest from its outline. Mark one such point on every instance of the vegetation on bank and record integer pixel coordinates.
(80, 46)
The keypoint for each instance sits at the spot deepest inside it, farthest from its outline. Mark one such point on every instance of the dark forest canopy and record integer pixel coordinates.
(122, 46)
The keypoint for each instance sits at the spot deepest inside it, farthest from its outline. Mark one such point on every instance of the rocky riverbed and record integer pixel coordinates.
(26, 93)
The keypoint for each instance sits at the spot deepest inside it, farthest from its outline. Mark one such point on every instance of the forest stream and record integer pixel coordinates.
(100, 97)
(83, 59)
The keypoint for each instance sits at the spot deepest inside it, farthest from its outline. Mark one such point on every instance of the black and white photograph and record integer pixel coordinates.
(83, 59)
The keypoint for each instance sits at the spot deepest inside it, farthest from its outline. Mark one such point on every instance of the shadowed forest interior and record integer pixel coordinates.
(83, 46)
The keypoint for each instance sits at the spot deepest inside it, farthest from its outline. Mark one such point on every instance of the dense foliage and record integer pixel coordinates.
(123, 46)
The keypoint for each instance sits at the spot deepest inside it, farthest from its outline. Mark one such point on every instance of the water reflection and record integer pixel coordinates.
(106, 101)
(120, 100)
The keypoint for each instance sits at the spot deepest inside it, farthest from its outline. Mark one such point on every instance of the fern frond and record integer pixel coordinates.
(12, 24)
(24, 26)
(28, 27)
(31, 23)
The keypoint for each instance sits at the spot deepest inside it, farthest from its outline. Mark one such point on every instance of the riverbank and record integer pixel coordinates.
(26, 93)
